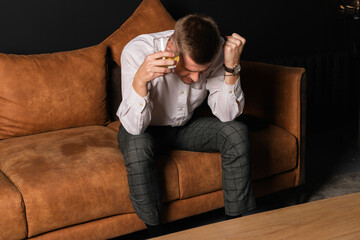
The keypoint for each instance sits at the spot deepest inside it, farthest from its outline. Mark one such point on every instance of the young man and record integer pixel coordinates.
(158, 104)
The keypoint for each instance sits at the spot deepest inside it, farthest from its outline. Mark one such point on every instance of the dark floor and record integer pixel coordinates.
(330, 153)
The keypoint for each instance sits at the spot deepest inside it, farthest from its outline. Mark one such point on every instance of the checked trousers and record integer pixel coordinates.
(201, 135)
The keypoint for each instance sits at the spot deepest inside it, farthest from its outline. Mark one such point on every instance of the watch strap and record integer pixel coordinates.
(229, 70)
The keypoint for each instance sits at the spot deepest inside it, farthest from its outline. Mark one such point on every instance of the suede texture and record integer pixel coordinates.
(118, 225)
(67, 177)
(207, 169)
(46, 92)
(114, 125)
(126, 223)
(149, 17)
(272, 93)
(106, 228)
(273, 151)
(115, 225)
(269, 157)
(275, 183)
(191, 206)
(168, 177)
(92, 155)
(12, 220)
(71, 176)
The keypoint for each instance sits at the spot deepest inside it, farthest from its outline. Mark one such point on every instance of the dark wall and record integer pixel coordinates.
(274, 29)
(40, 26)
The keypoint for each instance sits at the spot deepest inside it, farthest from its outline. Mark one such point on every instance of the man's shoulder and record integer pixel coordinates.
(139, 43)
(148, 38)
(143, 44)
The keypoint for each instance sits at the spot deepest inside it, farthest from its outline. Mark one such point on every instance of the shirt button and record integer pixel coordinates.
(230, 91)
(180, 108)
(182, 92)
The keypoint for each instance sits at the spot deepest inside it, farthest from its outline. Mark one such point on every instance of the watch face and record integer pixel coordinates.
(236, 69)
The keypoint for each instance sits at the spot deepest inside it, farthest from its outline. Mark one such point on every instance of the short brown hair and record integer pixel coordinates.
(197, 36)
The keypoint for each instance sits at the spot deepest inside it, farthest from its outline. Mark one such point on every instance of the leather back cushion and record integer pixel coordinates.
(46, 92)
(149, 17)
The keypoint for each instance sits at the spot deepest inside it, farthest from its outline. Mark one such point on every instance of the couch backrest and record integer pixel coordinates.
(45, 92)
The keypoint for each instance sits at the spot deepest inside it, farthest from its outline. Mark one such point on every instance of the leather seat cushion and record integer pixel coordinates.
(199, 173)
(276, 152)
(72, 176)
(76, 175)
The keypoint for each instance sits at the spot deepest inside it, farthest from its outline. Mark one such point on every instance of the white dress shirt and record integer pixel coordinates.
(170, 101)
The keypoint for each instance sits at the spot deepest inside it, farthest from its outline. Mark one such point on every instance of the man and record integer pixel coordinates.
(158, 104)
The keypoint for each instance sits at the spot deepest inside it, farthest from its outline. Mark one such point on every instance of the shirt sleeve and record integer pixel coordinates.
(226, 101)
(134, 111)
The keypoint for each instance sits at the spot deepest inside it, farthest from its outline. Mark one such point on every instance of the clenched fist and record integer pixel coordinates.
(233, 48)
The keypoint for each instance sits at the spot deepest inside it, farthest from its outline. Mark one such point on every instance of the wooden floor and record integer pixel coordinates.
(335, 218)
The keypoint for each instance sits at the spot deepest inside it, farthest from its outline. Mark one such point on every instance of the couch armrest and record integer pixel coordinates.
(275, 93)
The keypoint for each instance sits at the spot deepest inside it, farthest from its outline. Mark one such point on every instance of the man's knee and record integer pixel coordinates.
(136, 148)
(234, 132)
(235, 146)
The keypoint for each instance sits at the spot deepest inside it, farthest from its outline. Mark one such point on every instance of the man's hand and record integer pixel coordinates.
(233, 48)
(153, 66)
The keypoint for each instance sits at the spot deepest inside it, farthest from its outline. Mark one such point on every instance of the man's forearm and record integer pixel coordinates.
(140, 87)
(231, 79)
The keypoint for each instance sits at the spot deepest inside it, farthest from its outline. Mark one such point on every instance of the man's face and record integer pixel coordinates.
(189, 71)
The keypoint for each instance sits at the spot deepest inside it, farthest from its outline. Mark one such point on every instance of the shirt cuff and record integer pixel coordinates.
(138, 101)
(232, 90)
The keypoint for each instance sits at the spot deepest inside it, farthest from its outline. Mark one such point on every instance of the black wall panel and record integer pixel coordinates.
(274, 29)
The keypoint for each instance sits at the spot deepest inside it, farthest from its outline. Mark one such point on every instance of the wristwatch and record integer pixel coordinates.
(234, 71)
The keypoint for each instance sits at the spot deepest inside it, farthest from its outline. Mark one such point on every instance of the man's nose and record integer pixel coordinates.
(195, 76)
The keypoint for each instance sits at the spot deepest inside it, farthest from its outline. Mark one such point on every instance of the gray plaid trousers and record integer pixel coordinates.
(201, 135)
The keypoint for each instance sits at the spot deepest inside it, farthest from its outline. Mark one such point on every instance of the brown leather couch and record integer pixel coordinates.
(62, 174)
